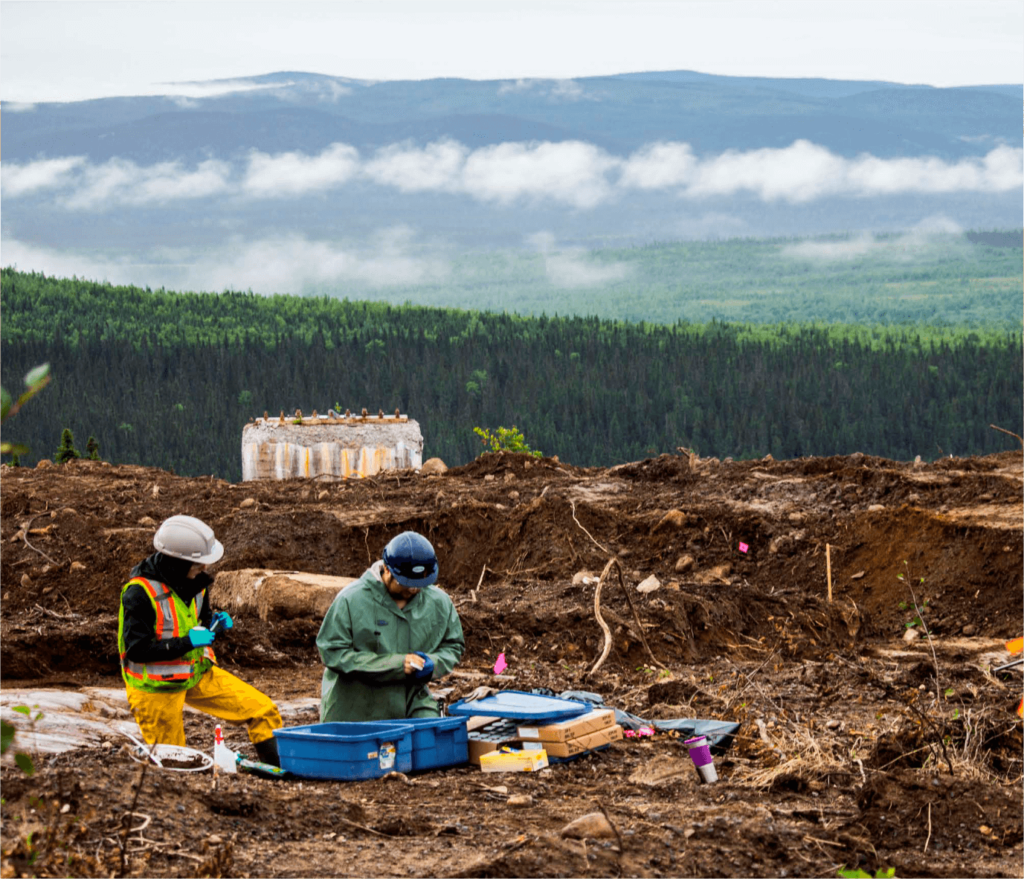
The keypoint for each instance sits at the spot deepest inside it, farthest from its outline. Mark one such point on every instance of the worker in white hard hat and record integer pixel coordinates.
(166, 629)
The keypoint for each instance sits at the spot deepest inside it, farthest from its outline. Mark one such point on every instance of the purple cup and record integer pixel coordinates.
(700, 750)
(700, 754)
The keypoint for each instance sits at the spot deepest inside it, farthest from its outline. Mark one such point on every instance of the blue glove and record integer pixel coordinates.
(221, 621)
(200, 637)
(425, 673)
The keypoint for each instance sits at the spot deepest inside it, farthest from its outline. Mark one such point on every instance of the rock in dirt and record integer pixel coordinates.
(584, 578)
(433, 466)
(276, 595)
(44, 464)
(684, 563)
(969, 630)
(248, 502)
(520, 800)
(912, 634)
(650, 584)
(672, 519)
(716, 574)
(591, 826)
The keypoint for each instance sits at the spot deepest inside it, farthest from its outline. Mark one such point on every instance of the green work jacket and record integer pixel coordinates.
(363, 641)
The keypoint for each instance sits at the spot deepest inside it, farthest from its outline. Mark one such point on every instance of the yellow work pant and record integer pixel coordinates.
(217, 692)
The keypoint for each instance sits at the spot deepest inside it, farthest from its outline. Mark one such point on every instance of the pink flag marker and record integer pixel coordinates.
(744, 547)
(500, 665)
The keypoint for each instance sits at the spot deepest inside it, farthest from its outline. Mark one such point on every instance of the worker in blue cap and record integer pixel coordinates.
(387, 635)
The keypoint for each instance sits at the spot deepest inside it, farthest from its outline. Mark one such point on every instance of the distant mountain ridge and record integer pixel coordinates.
(293, 111)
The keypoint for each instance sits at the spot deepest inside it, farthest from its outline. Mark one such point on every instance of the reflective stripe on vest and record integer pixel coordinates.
(168, 626)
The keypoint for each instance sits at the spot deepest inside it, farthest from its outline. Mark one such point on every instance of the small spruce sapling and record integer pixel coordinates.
(67, 451)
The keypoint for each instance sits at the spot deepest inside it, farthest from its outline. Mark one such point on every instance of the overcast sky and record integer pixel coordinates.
(56, 50)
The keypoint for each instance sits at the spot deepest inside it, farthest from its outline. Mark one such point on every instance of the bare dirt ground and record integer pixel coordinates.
(857, 748)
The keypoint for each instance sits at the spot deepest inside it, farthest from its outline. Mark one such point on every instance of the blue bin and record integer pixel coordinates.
(436, 741)
(345, 751)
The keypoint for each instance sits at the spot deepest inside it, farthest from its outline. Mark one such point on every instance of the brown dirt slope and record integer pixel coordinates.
(857, 748)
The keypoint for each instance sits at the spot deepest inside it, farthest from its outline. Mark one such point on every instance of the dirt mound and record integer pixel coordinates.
(845, 726)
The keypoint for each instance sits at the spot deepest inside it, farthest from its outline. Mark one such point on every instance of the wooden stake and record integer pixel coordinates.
(828, 569)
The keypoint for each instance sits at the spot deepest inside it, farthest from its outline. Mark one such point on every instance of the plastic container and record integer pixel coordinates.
(700, 754)
(345, 751)
(436, 741)
(516, 705)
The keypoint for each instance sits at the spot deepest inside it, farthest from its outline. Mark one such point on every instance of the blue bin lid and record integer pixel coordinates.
(516, 705)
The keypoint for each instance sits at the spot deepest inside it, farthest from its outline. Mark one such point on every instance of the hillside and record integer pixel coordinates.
(857, 747)
(168, 380)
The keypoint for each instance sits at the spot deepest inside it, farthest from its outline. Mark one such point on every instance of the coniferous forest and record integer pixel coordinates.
(168, 380)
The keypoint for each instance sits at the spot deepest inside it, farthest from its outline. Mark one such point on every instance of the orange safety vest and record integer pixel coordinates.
(174, 619)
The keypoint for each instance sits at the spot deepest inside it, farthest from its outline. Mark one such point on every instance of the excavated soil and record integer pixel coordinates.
(857, 749)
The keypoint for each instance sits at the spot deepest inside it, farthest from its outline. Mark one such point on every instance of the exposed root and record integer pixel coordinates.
(604, 626)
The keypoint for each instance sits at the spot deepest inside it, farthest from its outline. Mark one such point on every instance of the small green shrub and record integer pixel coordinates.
(7, 732)
(505, 439)
(860, 874)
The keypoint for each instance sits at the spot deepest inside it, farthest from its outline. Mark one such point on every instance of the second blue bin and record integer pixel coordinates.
(436, 741)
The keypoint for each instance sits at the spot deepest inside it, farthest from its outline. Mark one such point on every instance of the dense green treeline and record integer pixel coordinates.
(66, 309)
(168, 380)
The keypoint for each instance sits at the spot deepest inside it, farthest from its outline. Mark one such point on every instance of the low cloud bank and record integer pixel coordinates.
(45, 174)
(573, 267)
(573, 174)
(915, 243)
(553, 89)
(288, 264)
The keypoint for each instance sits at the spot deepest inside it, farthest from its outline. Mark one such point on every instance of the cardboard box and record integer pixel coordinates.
(487, 734)
(514, 761)
(574, 747)
(570, 729)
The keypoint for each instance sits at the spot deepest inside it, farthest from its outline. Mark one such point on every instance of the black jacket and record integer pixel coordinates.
(141, 644)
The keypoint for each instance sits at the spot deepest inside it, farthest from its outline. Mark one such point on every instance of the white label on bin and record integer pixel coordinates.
(533, 746)
(528, 732)
(387, 755)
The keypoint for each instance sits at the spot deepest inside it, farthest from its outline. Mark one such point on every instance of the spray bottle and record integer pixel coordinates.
(223, 757)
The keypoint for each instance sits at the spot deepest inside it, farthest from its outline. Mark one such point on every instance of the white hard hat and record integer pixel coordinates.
(186, 537)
